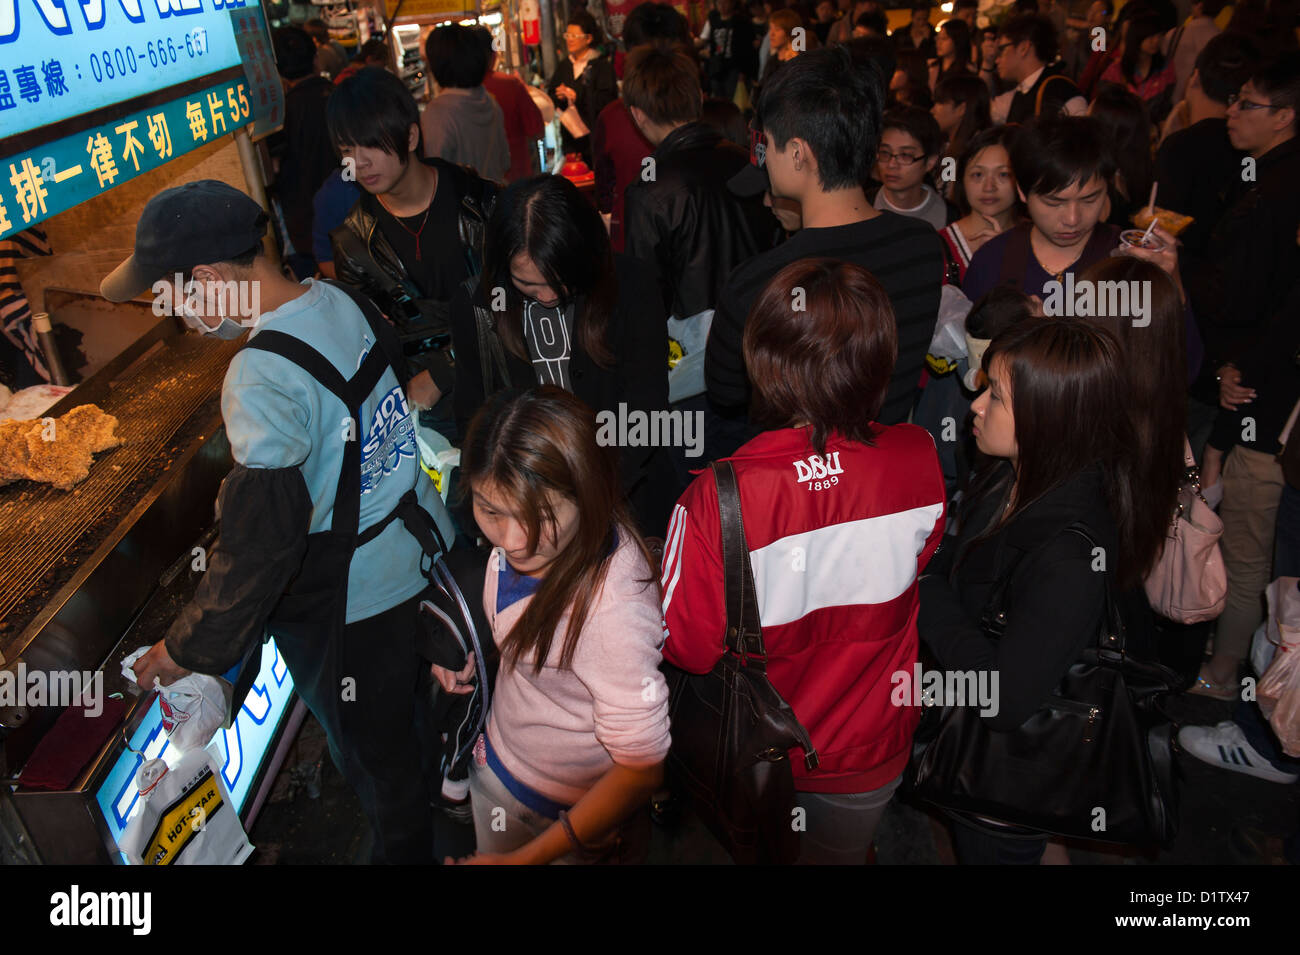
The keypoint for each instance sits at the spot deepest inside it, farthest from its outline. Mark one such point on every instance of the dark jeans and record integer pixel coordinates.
(979, 846)
(371, 696)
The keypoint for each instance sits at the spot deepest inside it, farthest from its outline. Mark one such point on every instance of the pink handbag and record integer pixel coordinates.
(1278, 691)
(1189, 583)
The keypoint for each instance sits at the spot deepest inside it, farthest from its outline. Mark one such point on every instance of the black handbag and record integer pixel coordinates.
(732, 731)
(1094, 762)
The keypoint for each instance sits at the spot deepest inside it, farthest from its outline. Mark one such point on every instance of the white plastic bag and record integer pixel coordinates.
(193, 708)
(949, 339)
(184, 816)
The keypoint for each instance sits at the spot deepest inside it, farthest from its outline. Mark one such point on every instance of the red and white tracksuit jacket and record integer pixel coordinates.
(837, 544)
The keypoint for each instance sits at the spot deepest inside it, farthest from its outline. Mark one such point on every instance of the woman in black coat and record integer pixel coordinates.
(590, 86)
(555, 305)
(1055, 426)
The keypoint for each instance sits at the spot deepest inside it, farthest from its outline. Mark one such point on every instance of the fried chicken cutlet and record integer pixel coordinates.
(60, 454)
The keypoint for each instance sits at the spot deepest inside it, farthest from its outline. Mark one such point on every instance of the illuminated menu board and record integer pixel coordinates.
(85, 110)
(62, 58)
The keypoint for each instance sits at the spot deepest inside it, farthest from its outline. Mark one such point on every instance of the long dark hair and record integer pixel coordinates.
(959, 32)
(1126, 130)
(967, 88)
(1140, 29)
(547, 218)
(1155, 356)
(526, 443)
(1067, 380)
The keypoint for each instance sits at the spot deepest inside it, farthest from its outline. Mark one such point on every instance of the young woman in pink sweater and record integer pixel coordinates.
(578, 727)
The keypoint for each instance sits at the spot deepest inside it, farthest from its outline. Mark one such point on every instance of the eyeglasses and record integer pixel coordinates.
(570, 35)
(1236, 99)
(1002, 47)
(886, 156)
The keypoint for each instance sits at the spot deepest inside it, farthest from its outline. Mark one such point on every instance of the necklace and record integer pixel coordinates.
(423, 221)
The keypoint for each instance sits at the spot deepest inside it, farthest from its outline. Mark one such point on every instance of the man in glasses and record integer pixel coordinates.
(1026, 47)
(909, 149)
(1238, 293)
(585, 81)
(1252, 256)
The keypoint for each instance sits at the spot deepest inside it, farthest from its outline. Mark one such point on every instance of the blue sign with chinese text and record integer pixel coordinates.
(48, 179)
(62, 58)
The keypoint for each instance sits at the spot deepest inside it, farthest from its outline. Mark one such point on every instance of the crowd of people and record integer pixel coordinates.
(842, 252)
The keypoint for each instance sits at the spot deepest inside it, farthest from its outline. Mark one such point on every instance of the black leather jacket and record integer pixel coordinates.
(687, 223)
(365, 259)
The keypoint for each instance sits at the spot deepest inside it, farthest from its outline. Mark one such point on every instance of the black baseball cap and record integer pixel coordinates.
(752, 179)
(194, 224)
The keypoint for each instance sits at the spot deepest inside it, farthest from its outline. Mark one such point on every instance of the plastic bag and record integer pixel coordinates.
(949, 339)
(184, 816)
(193, 708)
(1278, 692)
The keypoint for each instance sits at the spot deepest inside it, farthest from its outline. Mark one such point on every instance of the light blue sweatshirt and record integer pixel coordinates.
(278, 416)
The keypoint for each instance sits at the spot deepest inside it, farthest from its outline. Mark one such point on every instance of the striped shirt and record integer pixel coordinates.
(904, 254)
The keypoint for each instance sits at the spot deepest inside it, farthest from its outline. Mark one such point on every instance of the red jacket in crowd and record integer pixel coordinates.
(617, 148)
(523, 121)
(837, 543)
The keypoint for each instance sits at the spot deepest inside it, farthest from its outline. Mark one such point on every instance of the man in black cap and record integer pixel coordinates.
(821, 118)
(320, 513)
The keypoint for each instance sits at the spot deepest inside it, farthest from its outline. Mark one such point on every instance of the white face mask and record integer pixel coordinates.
(226, 330)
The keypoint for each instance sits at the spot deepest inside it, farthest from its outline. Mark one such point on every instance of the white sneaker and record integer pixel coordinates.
(1225, 746)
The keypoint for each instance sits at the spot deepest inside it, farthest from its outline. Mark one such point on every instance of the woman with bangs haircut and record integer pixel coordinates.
(985, 194)
(556, 305)
(1141, 67)
(578, 725)
(1056, 426)
(840, 516)
(952, 44)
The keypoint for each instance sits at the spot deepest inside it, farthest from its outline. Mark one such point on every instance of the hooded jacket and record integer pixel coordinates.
(466, 126)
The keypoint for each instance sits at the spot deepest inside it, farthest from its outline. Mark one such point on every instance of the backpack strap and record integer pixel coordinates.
(1042, 88)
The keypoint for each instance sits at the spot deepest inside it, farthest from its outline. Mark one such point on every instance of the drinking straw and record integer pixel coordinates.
(1151, 203)
(1147, 234)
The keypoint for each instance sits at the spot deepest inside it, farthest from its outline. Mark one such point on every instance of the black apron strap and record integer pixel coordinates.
(352, 392)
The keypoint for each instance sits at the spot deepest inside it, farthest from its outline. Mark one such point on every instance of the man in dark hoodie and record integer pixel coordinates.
(463, 123)
(680, 215)
(302, 149)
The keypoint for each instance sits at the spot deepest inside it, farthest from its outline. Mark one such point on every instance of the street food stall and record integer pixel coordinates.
(97, 560)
